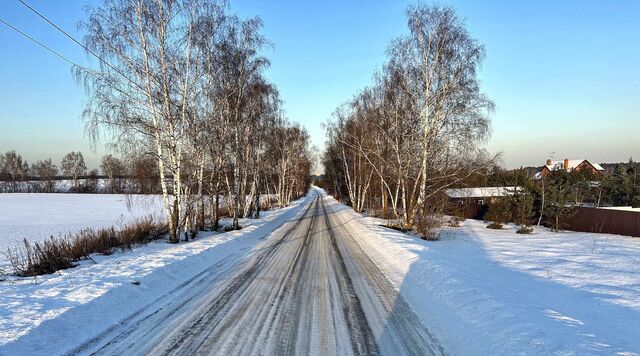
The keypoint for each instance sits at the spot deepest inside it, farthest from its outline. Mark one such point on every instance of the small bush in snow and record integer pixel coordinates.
(456, 221)
(428, 227)
(524, 230)
(54, 254)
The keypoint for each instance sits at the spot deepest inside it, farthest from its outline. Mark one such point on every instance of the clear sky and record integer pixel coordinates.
(565, 75)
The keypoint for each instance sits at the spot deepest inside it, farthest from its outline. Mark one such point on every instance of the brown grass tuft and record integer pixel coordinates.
(54, 254)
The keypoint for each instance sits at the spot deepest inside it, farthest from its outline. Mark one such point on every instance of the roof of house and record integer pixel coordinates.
(571, 165)
(481, 192)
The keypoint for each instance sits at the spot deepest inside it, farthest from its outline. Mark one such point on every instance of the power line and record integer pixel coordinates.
(77, 42)
(39, 43)
(63, 31)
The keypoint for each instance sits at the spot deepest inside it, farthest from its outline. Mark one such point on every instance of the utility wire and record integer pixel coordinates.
(38, 42)
(77, 42)
(57, 27)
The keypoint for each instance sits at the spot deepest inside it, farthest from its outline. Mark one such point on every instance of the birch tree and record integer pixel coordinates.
(239, 66)
(73, 166)
(14, 167)
(114, 169)
(144, 85)
(46, 171)
(419, 128)
(182, 82)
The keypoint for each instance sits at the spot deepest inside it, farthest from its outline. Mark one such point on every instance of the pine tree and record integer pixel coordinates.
(499, 213)
(616, 187)
(623, 186)
(632, 186)
(559, 199)
(585, 184)
(524, 206)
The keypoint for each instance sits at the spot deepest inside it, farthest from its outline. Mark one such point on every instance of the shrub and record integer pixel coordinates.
(524, 230)
(54, 254)
(499, 213)
(427, 227)
(455, 221)
(41, 257)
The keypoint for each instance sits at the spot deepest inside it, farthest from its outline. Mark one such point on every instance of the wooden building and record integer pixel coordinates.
(473, 203)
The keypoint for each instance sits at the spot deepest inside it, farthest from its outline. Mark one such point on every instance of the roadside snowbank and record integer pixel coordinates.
(80, 303)
(488, 292)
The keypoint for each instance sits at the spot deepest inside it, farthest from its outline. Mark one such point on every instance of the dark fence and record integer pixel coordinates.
(606, 221)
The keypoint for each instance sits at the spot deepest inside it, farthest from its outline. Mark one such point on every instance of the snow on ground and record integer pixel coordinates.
(95, 296)
(36, 216)
(488, 292)
(479, 291)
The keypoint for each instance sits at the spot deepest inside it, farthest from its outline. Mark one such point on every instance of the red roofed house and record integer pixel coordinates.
(569, 165)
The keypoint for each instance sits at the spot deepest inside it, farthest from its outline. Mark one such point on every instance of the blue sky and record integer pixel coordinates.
(565, 75)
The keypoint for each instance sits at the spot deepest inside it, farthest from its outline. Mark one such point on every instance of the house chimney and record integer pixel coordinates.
(566, 165)
(548, 161)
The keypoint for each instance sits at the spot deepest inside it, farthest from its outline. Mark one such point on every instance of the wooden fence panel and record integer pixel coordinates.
(606, 221)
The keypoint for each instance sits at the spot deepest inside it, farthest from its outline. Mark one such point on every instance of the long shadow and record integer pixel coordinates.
(470, 304)
(474, 306)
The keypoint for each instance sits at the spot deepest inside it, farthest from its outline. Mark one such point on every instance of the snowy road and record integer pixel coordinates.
(307, 288)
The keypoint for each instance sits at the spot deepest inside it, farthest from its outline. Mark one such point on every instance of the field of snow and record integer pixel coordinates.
(479, 291)
(36, 216)
(82, 302)
(488, 292)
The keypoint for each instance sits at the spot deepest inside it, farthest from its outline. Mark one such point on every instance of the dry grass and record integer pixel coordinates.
(429, 226)
(456, 221)
(54, 254)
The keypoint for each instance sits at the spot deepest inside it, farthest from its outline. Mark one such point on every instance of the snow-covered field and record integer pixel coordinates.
(488, 292)
(82, 302)
(479, 291)
(36, 216)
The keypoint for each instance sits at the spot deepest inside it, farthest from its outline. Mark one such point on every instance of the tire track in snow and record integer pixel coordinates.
(222, 305)
(124, 336)
(399, 330)
(307, 289)
(362, 339)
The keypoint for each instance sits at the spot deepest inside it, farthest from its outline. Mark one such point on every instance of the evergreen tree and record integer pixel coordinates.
(524, 208)
(585, 185)
(499, 213)
(623, 186)
(616, 193)
(632, 186)
(559, 198)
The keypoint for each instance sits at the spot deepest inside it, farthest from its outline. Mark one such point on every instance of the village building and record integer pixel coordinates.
(568, 165)
(473, 203)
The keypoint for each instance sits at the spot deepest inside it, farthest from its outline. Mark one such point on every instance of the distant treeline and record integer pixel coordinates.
(133, 175)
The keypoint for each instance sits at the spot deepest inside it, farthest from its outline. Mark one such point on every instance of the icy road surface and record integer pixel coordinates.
(308, 288)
